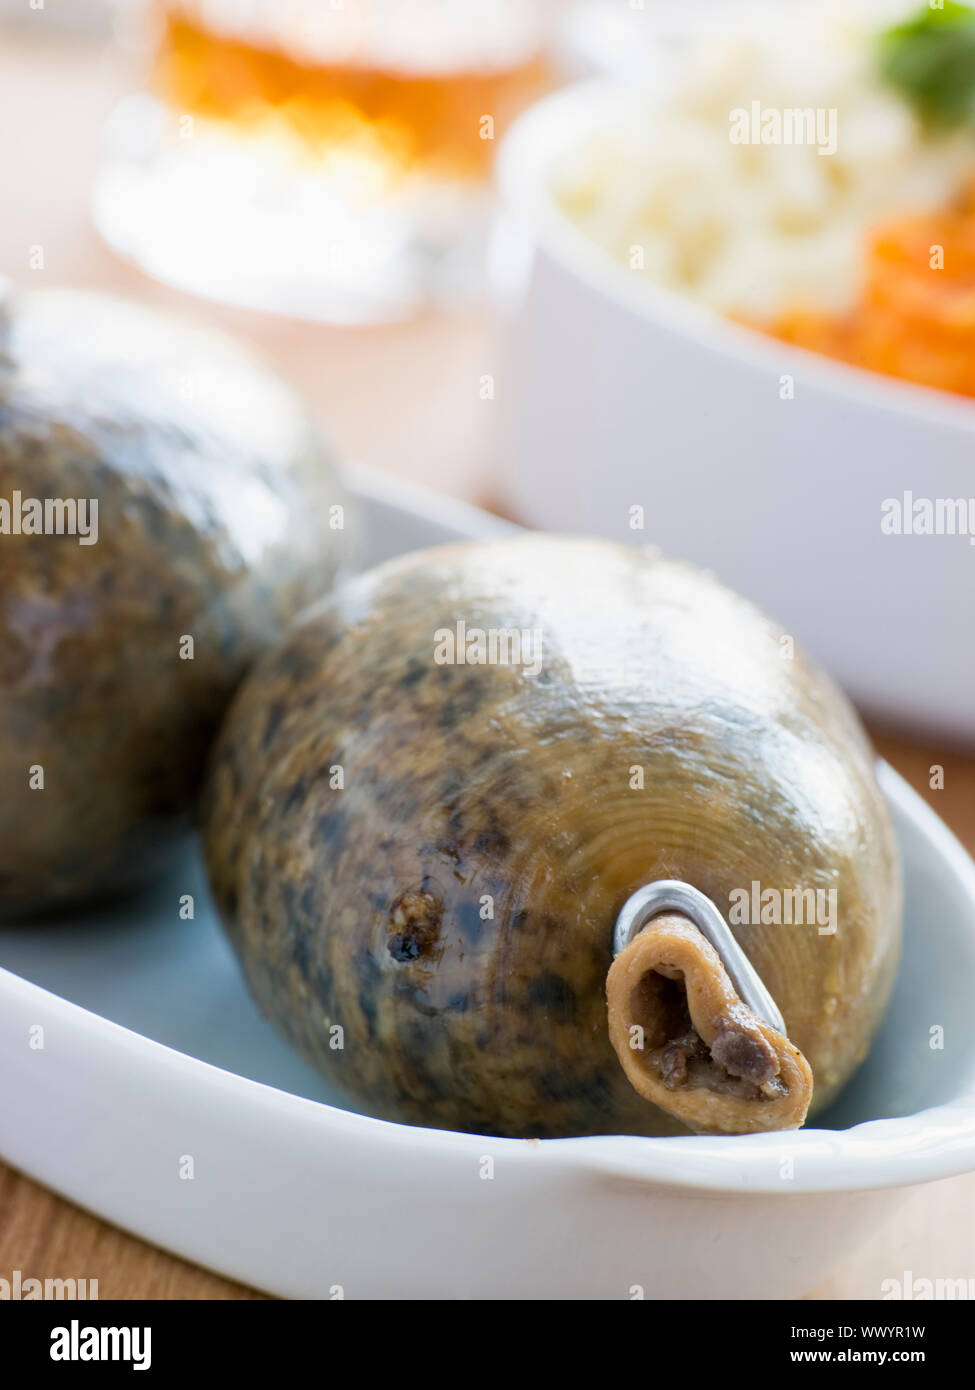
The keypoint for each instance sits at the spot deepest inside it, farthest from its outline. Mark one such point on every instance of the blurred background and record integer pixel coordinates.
(317, 169)
(86, 95)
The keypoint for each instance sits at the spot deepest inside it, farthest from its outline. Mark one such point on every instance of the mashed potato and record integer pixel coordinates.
(751, 229)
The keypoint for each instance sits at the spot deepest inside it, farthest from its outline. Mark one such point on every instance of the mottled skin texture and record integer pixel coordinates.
(362, 906)
(213, 523)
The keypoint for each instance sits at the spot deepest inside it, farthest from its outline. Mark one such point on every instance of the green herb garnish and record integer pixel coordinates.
(930, 60)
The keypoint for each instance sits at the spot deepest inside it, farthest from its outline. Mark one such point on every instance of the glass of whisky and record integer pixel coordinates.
(327, 159)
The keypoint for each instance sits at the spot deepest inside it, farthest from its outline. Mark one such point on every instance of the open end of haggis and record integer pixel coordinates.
(689, 1044)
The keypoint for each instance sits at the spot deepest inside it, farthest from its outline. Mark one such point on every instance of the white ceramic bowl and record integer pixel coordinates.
(614, 392)
(154, 1053)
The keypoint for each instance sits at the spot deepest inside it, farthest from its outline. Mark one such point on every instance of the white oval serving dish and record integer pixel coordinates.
(153, 1054)
(615, 393)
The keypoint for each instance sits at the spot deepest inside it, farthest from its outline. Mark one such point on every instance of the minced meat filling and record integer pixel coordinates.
(740, 1062)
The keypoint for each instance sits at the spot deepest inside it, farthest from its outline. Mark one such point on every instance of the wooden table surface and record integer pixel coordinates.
(404, 399)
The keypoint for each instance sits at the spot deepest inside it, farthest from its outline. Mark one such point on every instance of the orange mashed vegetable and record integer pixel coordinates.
(912, 320)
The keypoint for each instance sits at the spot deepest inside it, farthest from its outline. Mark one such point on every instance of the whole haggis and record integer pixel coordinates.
(164, 511)
(428, 805)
